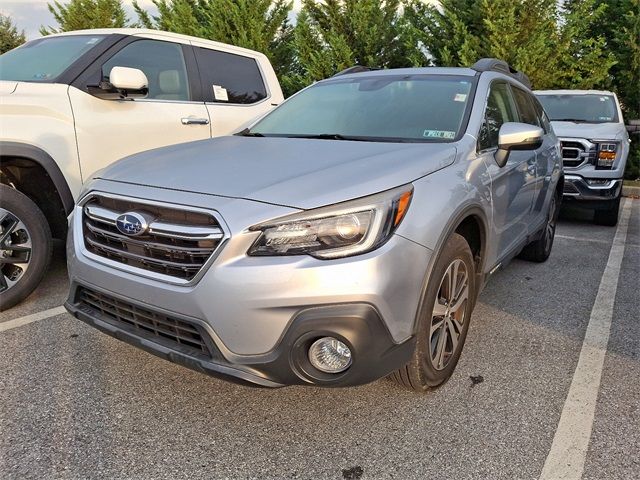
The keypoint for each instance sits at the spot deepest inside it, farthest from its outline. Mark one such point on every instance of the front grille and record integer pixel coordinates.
(176, 334)
(177, 243)
(575, 154)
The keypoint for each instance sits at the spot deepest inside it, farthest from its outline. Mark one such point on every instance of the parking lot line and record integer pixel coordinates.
(569, 448)
(34, 317)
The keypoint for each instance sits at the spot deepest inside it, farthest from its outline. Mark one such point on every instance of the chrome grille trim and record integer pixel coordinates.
(175, 251)
(577, 152)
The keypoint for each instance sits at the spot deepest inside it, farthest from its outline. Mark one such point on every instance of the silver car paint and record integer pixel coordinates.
(249, 301)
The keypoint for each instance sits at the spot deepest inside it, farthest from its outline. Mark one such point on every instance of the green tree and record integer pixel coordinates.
(556, 45)
(336, 34)
(10, 38)
(586, 61)
(260, 25)
(84, 14)
(620, 25)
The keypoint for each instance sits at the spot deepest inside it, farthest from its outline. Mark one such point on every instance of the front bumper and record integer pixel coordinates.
(374, 353)
(260, 313)
(578, 188)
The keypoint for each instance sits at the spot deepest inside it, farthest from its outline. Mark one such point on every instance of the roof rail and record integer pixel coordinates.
(355, 69)
(495, 65)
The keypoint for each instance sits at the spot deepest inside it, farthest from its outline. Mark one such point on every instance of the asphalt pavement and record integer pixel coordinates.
(75, 403)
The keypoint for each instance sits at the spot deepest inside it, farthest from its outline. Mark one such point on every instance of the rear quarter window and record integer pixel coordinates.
(229, 78)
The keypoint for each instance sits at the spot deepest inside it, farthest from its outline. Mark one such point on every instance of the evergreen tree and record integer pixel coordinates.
(84, 14)
(586, 62)
(260, 25)
(336, 34)
(10, 38)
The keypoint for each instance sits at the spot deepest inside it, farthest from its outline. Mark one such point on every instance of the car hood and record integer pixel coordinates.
(590, 131)
(294, 172)
(7, 87)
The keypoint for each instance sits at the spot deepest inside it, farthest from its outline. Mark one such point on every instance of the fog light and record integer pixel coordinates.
(330, 355)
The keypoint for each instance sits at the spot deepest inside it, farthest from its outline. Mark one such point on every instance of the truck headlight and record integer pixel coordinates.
(606, 154)
(340, 230)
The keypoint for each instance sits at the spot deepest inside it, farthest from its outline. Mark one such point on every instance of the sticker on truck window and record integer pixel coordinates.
(220, 93)
(439, 134)
(460, 97)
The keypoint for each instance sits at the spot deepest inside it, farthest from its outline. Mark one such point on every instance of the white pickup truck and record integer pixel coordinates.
(595, 146)
(73, 103)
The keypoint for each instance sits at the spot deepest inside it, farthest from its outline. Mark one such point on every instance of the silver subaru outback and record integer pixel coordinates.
(343, 237)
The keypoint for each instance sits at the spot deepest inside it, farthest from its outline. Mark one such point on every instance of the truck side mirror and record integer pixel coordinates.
(124, 83)
(633, 126)
(517, 136)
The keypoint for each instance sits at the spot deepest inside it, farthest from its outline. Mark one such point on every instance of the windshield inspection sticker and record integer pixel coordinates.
(220, 93)
(460, 97)
(439, 134)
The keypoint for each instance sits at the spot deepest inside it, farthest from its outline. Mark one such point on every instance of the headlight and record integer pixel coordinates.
(340, 230)
(606, 154)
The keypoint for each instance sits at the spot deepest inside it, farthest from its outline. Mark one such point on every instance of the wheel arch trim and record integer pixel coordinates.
(42, 158)
(469, 211)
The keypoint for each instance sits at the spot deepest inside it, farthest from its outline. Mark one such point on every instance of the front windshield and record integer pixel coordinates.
(43, 60)
(413, 108)
(590, 108)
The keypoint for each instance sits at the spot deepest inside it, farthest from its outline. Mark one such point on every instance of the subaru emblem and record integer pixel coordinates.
(132, 224)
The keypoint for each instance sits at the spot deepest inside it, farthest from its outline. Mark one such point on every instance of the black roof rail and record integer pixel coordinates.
(496, 65)
(355, 69)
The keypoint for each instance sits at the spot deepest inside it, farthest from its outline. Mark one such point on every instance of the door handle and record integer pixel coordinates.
(531, 168)
(194, 121)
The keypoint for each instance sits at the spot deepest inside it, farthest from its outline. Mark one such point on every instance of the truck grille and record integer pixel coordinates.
(177, 242)
(575, 154)
(176, 334)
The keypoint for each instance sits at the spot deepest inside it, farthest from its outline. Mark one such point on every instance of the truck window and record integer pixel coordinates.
(229, 78)
(162, 63)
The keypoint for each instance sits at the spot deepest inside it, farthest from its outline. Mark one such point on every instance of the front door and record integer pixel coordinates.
(108, 130)
(512, 186)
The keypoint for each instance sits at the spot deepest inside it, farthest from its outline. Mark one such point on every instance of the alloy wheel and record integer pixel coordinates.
(550, 228)
(15, 249)
(447, 319)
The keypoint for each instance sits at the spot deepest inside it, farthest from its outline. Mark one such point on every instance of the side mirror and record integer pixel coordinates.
(633, 126)
(124, 83)
(517, 136)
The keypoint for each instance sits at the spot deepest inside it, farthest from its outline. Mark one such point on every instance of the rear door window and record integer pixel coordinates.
(229, 78)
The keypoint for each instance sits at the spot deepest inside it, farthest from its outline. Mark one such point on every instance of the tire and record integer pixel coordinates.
(609, 216)
(435, 357)
(25, 246)
(540, 249)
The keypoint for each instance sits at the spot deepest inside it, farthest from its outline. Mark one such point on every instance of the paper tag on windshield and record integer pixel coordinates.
(439, 134)
(220, 93)
(460, 97)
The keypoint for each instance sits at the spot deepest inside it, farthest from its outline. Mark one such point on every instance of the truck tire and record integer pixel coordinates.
(444, 318)
(540, 249)
(609, 216)
(25, 246)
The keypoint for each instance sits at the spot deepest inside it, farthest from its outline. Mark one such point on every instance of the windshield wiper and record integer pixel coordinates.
(248, 133)
(574, 120)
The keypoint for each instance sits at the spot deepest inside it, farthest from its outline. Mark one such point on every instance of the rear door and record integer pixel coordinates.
(512, 186)
(233, 87)
(108, 130)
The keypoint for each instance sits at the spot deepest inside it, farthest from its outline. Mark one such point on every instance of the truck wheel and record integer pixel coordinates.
(443, 320)
(539, 250)
(25, 246)
(609, 216)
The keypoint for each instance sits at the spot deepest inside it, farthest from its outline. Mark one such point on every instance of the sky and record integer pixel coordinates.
(29, 15)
